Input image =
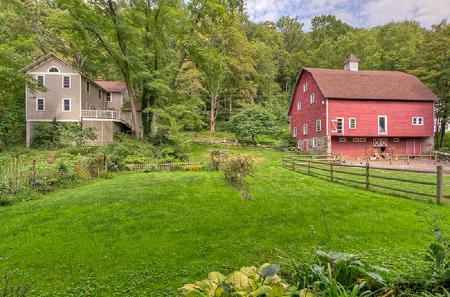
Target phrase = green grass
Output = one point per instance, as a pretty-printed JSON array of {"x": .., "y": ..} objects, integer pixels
[{"x": 146, "y": 234}]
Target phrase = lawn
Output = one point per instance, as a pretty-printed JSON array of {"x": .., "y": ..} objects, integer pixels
[{"x": 146, "y": 234}]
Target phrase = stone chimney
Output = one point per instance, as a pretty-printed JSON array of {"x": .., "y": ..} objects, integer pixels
[{"x": 351, "y": 63}]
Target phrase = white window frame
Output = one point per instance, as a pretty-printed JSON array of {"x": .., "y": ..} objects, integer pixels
[
  {"x": 110, "y": 97},
  {"x": 88, "y": 87},
  {"x": 305, "y": 129},
  {"x": 43, "y": 79},
  {"x": 312, "y": 98},
  {"x": 57, "y": 68},
  {"x": 318, "y": 125},
  {"x": 362, "y": 139},
  {"x": 314, "y": 142},
  {"x": 294, "y": 132},
  {"x": 342, "y": 139},
  {"x": 385, "y": 122},
  {"x": 415, "y": 121},
  {"x": 300, "y": 144},
  {"x": 37, "y": 104},
  {"x": 355, "y": 139},
  {"x": 335, "y": 125},
  {"x": 70, "y": 81},
  {"x": 70, "y": 105},
  {"x": 299, "y": 105},
  {"x": 350, "y": 126},
  {"x": 305, "y": 87}
]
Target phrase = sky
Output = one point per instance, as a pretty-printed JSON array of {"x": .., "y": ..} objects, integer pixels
[{"x": 357, "y": 13}]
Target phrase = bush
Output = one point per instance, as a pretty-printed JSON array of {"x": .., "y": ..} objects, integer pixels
[
  {"x": 248, "y": 281},
  {"x": 251, "y": 122},
  {"x": 218, "y": 157},
  {"x": 48, "y": 134},
  {"x": 235, "y": 168}
]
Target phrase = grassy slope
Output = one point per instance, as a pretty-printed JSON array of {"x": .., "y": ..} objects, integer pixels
[{"x": 150, "y": 233}]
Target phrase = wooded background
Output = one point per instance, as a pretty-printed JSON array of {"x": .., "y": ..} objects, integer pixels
[{"x": 194, "y": 64}]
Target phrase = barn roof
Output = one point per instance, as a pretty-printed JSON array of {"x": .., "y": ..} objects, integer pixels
[
  {"x": 373, "y": 85},
  {"x": 112, "y": 86}
]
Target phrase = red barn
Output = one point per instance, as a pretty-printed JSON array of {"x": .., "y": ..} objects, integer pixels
[{"x": 361, "y": 113}]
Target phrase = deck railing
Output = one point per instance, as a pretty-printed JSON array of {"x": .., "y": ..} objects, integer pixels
[{"x": 101, "y": 114}]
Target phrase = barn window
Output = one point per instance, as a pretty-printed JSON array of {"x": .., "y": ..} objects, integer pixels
[
  {"x": 396, "y": 140},
  {"x": 342, "y": 139},
  {"x": 362, "y": 140},
  {"x": 294, "y": 132},
  {"x": 355, "y": 139},
  {"x": 40, "y": 104},
  {"x": 338, "y": 124},
  {"x": 311, "y": 98},
  {"x": 53, "y": 69},
  {"x": 318, "y": 125},
  {"x": 314, "y": 142},
  {"x": 66, "y": 82},
  {"x": 382, "y": 125},
  {"x": 40, "y": 80},
  {"x": 352, "y": 123},
  {"x": 305, "y": 87},
  {"x": 305, "y": 129},
  {"x": 417, "y": 121},
  {"x": 66, "y": 106},
  {"x": 300, "y": 144},
  {"x": 299, "y": 105}
]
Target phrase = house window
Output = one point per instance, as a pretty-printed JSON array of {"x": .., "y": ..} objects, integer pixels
[
  {"x": 417, "y": 121},
  {"x": 99, "y": 94},
  {"x": 355, "y": 139},
  {"x": 352, "y": 123},
  {"x": 40, "y": 104},
  {"x": 66, "y": 104},
  {"x": 318, "y": 125},
  {"x": 294, "y": 132},
  {"x": 314, "y": 142},
  {"x": 338, "y": 125},
  {"x": 311, "y": 98},
  {"x": 299, "y": 105},
  {"x": 40, "y": 80},
  {"x": 382, "y": 125},
  {"x": 305, "y": 87},
  {"x": 299, "y": 144},
  {"x": 342, "y": 139},
  {"x": 53, "y": 69},
  {"x": 88, "y": 87},
  {"x": 305, "y": 129},
  {"x": 396, "y": 140},
  {"x": 362, "y": 140},
  {"x": 108, "y": 97},
  {"x": 66, "y": 82}
]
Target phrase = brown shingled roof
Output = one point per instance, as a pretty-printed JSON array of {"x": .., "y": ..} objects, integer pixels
[
  {"x": 112, "y": 86},
  {"x": 376, "y": 85}
]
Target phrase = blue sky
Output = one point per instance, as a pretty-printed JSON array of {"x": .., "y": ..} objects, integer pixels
[{"x": 358, "y": 13}]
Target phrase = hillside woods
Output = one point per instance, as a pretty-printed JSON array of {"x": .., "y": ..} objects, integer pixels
[{"x": 193, "y": 65}]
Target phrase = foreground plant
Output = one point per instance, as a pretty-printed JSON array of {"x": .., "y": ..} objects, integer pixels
[{"x": 248, "y": 281}]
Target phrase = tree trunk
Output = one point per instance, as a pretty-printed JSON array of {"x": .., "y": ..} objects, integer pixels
[
  {"x": 212, "y": 114},
  {"x": 442, "y": 135}
]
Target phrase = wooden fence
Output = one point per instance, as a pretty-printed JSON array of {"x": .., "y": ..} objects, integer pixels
[{"x": 410, "y": 182}]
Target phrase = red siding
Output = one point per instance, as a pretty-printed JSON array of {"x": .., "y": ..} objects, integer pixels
[
  {"x": 410, "y": 146},
  {"x": 366, "y": 112},
  {"x": 309, "y": 113}
]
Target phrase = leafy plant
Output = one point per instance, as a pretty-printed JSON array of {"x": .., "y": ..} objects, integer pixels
[
  {"x": 235, "y": 168},
  {"x": 248, "y": 281}
]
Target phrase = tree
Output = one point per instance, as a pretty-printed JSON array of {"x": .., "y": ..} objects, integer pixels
[{"x": 251, "y": 122}]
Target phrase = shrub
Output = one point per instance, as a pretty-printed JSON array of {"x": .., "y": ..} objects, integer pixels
[
  {"x": 235, "y": 168},
  {"x": 192, "y": 167},
  {"x": 45, "y": 134},
  {"x": 70, "y": 134},
  {"x": 218, "y": 157},
  {"x": 251, "y": 122},
  {"x": 248, "y": 281}
]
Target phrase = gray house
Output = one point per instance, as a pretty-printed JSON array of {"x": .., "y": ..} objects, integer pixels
[{"x": 70, "y": 96}]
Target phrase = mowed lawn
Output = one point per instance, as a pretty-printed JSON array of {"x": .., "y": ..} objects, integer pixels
[{"x": 146, "y": 234}]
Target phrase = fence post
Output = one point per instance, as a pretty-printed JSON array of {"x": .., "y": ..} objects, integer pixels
[
  {"x": 331, "y": 171},
  {"x": 367, "y": 175},
  {"x": 309, "y": 166},
  {"x": 439, "y": 181}
]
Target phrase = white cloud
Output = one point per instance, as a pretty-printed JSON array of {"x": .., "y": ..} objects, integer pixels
[{"x": 354, "y": 12}]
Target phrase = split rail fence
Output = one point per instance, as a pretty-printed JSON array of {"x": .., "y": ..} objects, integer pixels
[{"x": 414, "y": 183}]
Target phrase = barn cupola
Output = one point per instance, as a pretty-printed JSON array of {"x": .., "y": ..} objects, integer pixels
[{"x": 351, "y": 63}]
